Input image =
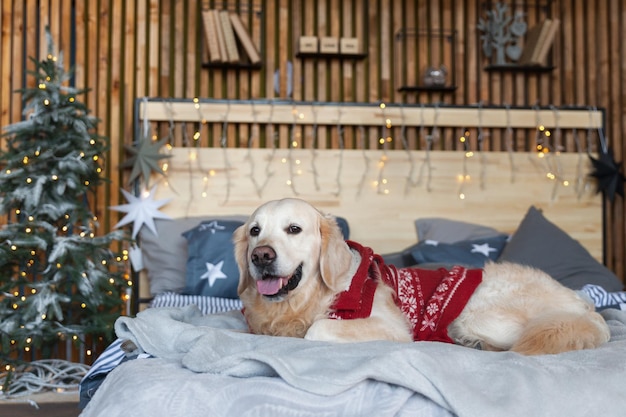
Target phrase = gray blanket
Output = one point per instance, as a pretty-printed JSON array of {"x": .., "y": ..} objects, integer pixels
[{"x": 464, "y": 381}]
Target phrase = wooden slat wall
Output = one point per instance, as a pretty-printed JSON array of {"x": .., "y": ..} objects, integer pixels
[{"x": 128, "y": 49}]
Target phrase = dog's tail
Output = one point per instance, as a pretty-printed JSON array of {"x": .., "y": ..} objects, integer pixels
[{"x": 561, "y": 332}]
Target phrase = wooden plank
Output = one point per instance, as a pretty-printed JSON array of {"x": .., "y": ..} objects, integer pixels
[
  {"x": 257, "y": 17},
  {"x": 5, "y": 70},
  {"x": 499, "y": 204},
  {"x": 372, "y": 115},
  {"x": 90, "y": 45},
  {"x": 66, "y": 10},
  {"x": 385, "y": 51},
  {"x": 152, "y": 44},
  {"x": 347, "y": 30},
  {"x": 116, "y": 119}
]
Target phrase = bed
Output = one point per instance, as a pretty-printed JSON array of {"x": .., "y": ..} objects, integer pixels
[{"x": 426, "y": 207}]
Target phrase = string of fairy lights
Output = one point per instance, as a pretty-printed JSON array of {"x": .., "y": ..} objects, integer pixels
[{"x": 471, "y": 141}]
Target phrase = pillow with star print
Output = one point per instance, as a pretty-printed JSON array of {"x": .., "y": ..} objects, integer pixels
[
  {"x": 470, "y": 253},
  {"x": 211, "y": 269}
]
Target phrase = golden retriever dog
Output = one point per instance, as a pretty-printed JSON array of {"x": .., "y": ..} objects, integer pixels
[{"x": 300, "y": 278}]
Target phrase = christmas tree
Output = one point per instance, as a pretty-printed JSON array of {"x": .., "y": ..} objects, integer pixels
[{"x": 59, "y": 280}]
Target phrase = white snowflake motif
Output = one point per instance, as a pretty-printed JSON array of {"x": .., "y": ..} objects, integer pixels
[
  {"x": 443, "y": 287},
  {"x": 405, "y": 288},
  {"x": 432, "y": 309},
  {"x": 438, "y": 297},
  {"x": 428, "y": 323},
  {"x": 448, "y": 279},
  {"x": 409, "y": 308}
]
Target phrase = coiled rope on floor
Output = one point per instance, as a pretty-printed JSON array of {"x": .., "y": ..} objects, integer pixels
[{"x": 40, "y": 376}]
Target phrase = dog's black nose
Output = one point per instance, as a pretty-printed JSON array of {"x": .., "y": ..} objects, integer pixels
[{"x": 263, "y": 256}]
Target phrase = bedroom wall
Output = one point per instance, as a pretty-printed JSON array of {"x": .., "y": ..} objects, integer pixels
[{"x": 128, "y": 49}]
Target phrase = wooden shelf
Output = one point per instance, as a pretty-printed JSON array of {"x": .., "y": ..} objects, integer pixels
[
  {"x": 428, "y": 88},
  {"x": 321, "y": 55},
  {"x": 232, "y": 65},
  {"x": 519, "y": 68}
]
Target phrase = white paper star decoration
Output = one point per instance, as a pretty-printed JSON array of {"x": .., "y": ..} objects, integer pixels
[
  {"x": 141, "y": 210},
  {"x": 213, "y": 272},
  {"x": 484, "y": 248}
]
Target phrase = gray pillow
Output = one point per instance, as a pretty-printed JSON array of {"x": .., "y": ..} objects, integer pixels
[
  {"x": 470, "y": 253},
  {"x": 165, "y": 255},
  {"x": 539, "y": 243},
  {"x": 451, "y": 231},
  {"x": 211, "y": 267}
]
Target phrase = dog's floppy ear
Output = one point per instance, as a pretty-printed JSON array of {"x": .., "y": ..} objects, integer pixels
[
  {"x": 335, "y": 255},
  {"x": 240, "y": 241}
]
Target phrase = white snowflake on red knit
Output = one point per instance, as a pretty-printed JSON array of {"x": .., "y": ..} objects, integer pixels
[
  {"x": 432, "y": 309},
  {"x": 406, "y": 293},
  {"x": 430, "y": 323}
]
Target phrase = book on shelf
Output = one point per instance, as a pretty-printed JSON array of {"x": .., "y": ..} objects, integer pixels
[
  {"x": 224, "y": 32},
  {"x": 221, "y": 42},
  {"x": 534, "y": 38},
  {"x": 544, "y": 47},
  {"x": 245, "y": 39},
  {"x": 210, "y": 35},
  {"x": 229, "y": 37}
]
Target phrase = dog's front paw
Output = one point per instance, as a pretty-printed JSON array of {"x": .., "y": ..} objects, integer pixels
[{"x": 321, "y": 330}]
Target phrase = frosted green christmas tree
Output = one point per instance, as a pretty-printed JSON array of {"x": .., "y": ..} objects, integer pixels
[{"x": 59, "y": 280}]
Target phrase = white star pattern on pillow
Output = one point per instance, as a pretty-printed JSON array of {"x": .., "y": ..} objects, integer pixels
[
  {"x": 485, "y": 249},
  {"x": 214, "y": 272},
  {"x": 212, "y": 226}
]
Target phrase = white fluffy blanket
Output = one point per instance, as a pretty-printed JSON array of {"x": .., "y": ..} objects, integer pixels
[{"x": 462, "y": 381}]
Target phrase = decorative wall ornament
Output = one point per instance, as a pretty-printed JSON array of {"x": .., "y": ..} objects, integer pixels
[
  {"x": 435, "y": 77},
  {"x": 501, "y": 34},
  {"x": 608, "y": 173}
]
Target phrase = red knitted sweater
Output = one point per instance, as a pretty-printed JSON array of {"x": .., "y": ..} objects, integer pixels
[{"x": 431, "y": 299}]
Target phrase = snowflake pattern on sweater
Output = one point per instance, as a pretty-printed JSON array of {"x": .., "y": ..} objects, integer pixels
[{"x": 430, "y": 299}]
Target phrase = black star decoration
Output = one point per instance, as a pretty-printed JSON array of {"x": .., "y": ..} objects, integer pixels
[
  {"x": 607, "y": 172},
  {"x": 145, "y": 159}
]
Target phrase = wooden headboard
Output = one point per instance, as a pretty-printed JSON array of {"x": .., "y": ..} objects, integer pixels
[{"x": 380, "y": 191}]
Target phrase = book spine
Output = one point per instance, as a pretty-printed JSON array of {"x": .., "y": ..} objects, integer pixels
[
  {"x": 210, "y": 36},
  {"x": 545, "y": 47},
  {"x": 215, "y": 14},
  {"x": 244, "y": 38},
  {"x": 229, "y": 37}
]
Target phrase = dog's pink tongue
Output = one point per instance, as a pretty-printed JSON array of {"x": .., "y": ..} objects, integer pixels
[{"x": 269, "y": 286}]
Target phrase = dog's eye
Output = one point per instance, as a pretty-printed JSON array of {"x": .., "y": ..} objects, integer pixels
[
  {"x": 293, "y": 229},
  {"x": 255, "y": 230}
]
